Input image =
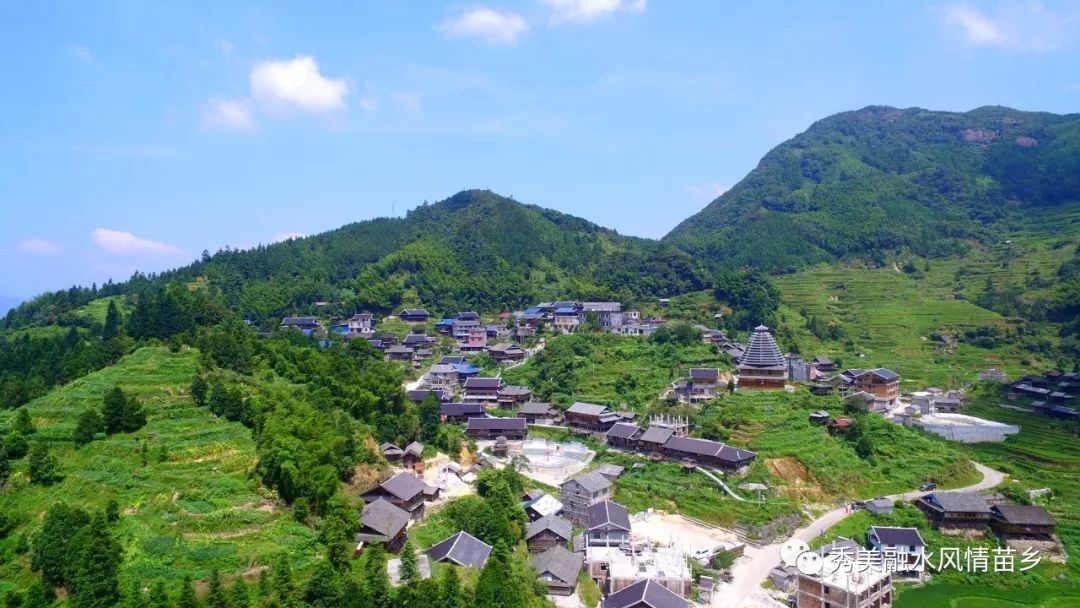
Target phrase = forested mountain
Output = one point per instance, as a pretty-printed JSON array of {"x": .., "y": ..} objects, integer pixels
[
  {"x": 473, "y": 250},
  {"x": 880, "y": 179}
]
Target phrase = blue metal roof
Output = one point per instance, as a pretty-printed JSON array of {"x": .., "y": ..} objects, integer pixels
[{"x": 566, "y": 310}]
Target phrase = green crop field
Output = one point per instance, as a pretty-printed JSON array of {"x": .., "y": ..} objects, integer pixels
[
  {"x": 197, "y": 510},
  {"x": 609, "y": 369}
]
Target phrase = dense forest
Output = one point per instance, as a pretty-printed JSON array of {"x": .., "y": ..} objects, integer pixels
[{"x": 865, "y": 183}]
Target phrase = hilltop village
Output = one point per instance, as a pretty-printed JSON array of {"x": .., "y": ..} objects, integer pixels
[{"x": 583, "y": 543}]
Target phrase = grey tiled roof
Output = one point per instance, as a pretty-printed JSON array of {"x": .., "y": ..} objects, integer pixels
[
  {"x": 656, "y": 434},
  {"x": 462, "y": 549},
  {"x": 592, "y": 481},
  {"x": 963, "y": 502},
  {"x": 560, "y": 563},
  {"x": 704, "y": 373},
  {"x": 762, "y": 350},
  {"x": 384, "y": 518},
  {"x": 587, "y": 409},
  {"x": 623, "y": 430},
  {"x": 1024, "y": 515},
  {"x": 898, "y": 536},
  {"x": 477, "y": 382},
  {"x": 497, "y": 424},
  {"x": 536, "y": 407},
  {"x": 647, "y": 593},
  {"x": 608, "y": 513},
  {"x": 404, "y": 486},
  {"x": 462, "y": 409},
  {"x": 554, "y": 523}
]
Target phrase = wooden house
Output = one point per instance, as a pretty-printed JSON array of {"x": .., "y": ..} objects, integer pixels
[
  {"x": 558, "y": 569},
  {"x": 490, "y": 428},
  {"x": 504, "y": 353},
  {"x": 645, "y": 593},
  {"x": 581, "y": 492},
  {"x": 512, "y": 396},
  {"x": 547, "y": 532},
  {"x": 710, "y": 453},
  {"x": 414, "y": 454},
  {"x": 1028, "y": 522},
  {"x": 590, "y": 417},
  {"x": 414, "y": 315},
  {"x": 955, "y": 511},
  {"x": 623, "y": 435},
  {"x": 382, "y": 522},
  {"x": 461, "y": 549},
  {"x": 404, "y": 490},
  {"x": 391, "y": 452},
  {"x": 460, "y": 412},
  {"x": 482, "y": 390},
  {"x": 539, "y": 412}
]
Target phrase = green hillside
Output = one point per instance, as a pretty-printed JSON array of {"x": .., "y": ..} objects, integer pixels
[
  {"x": 864, "y": 183},
  {"x": 191, "y": 507},
  {"x": 474, "y": 250}
]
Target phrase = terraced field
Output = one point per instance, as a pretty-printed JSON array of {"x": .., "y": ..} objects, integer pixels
[{"x": 191, "y": 507}]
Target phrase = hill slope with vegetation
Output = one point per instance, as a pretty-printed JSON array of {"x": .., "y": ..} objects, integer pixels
[{"x": 864, "y": 183}]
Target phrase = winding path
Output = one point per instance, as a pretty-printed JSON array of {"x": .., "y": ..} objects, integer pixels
[
  {"x": 748, "y": 574},
  {"x": 723, "y": 485}
]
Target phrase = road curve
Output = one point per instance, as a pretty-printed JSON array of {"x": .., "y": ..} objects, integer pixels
[{"x": 750, "y": 573}]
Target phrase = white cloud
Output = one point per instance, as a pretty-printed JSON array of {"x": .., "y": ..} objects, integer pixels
[
  {"x": 1018, "y": 25},
  {"x": 486, "y": 25},
  {"x": 82, "y": 53},
  {"x": 707, "y": 191},
  {"x": 410, "y": 102},
  {"x": 118, "y": 241},
  {"x": 296, "y": 84},
  {"x": 978, "y": 28},
  {"x": 286, "y": 236},
  {"x": 586, "y": 11},
  {"x": 369, "y": 100},
  {"x": 229, "y": 114},
  {"x": 40, "y": 247}
]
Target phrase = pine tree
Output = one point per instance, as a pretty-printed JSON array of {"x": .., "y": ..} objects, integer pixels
[
  {"x": 375, "y": 579},
  {"x": 283, "y": 583},
  {"x": 87, "y": 425},
  {"x": 199, "y": 389},
  {"x": 53, "y": 547},
  {"x": 187, "y": 594},
  {"x": 95, "y": 567},
  {"x": 112, "y": 322},
  {"x": 39, "y": 595},
  {"x": 239, "y": 594},
  {"x": 430, "y": 419},
  {"x": 409, "y": 572},
  {"x": 216, "y": 598},
  {"x": 323, "y": 589},
  {"x": 43, "y": 467},
  {"x": 5, "y": 466},
  {"x": 112, "y": 511},
  {"x": 450, "y": 589},
  {"x": 23, "y": 423},
  {"x": 159, "y": 597},
  {"x": 134, "y": 415},
  {"x": 497, "y": 586},
  {"x": 112, "y": 410}
]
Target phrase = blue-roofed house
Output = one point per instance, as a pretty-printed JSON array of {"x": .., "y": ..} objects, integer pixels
[{"x": 567, "y": 318}]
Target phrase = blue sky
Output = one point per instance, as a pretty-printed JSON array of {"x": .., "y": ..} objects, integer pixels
[{"x": 137, "y": 134}]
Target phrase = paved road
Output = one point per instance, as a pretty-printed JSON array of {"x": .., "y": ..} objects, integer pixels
[{"x": 749, "y": 573}]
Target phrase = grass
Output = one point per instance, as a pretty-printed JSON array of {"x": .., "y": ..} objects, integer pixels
[
  {"x": 197, "y": 511},
  {"x": 588, "y": 592},
  {"x": 609, "y": 369},
  {"x": 1042, "y": 455},
  {"x": 804, "y": 461},
  {"x": 890, "y": 315}
]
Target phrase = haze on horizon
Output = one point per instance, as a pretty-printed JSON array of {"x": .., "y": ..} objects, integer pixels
[{"x": 139, "y": 135}]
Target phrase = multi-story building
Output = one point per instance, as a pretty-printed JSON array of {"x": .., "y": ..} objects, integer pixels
[
  {"x": 881, "y": 383},
  {"x": 851, "y": 585},
  {"x": 762, "y": 365},
  {"x": 582, "y": 492}
]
